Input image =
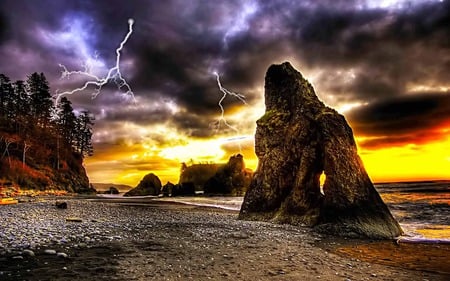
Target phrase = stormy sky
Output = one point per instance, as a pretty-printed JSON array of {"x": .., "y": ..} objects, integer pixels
[{"x": 384, "y": 64}]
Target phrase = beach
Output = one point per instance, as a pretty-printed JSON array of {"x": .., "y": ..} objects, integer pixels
[{"x": 147, "y": 239}]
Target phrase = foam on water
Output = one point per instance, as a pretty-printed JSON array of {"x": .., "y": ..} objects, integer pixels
[
  {"x": 226, "y": 203},
  {"x": 421, "y": 208}
]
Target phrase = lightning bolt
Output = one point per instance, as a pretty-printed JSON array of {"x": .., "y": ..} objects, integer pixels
[
  {"x": 239, "y": 23},
  {"x": 225, "y": 92},
  {"x": 113, "y": 74}
]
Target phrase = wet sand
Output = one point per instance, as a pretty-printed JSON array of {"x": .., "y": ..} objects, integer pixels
[
  {"x": 181, "y": 242},
  {"x": 414, "y": 256}
]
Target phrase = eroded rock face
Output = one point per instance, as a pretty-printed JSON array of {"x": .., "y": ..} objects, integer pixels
[{"x": 297, "y": 140}]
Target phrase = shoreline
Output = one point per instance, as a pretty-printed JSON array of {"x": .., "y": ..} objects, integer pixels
[
  {"x": 170, "y": 241},
  {"x": 233, "y": 203}
]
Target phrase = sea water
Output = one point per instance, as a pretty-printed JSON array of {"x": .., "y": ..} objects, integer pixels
[{"x": 421, "y": 208}]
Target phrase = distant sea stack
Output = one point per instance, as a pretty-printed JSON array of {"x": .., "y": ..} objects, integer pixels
[
  {"x": 231, "y": 179},
  {"x": 297, "y": 139},
  {"x": 149, "y": 185}
]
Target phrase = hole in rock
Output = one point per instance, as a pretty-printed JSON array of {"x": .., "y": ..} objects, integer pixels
[{"x": 322, "y": 182}]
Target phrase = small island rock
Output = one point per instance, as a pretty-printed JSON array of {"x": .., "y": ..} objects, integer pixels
[
  {"x": 230, "y": 179},
  {"x": 149, "y": 185}
]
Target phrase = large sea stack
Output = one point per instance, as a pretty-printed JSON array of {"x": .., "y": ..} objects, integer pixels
[{"x": 297, "y": 140}]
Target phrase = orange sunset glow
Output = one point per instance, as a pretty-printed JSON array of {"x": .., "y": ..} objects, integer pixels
[{"x": 429, "y": 161}]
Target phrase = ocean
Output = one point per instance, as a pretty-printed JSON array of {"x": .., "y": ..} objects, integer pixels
[{"x": 421, "y": 208}]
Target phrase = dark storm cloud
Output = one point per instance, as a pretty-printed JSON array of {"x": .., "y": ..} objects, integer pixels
[
  {"x": 386, "y": 48},
  {"x": 177, "y": 44},
  {"x": 3, "y": 28},
  {"x": 408, "y": 119},
  {"x": 195, "y": 125},
  {"x": 139, "y": 117},
  {"x": 180, "y": 60}
]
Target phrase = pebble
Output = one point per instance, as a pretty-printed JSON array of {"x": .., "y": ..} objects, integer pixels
[
  {"x": 240, "y": 235},
  {"x": 62, "y": 255},
  {"x": 17, "y": 258},
  {"x": 29, "y": 253},
  {"x": 47, "y": 227}
]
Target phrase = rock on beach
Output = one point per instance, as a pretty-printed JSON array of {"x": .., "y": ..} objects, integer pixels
[{"x": 297, "y": 139}]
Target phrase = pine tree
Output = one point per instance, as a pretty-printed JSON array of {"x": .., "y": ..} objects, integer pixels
[
  {"x": 22, "y": 107},
  {"x": 84, "y": 133},
  {"x": 38, "y": 134},
  {"x": 22, "y": 98},
  {"x": 5, "y": 95},
  {"x": 67, "y": 121},
  {"x": 41, "y": 100}
]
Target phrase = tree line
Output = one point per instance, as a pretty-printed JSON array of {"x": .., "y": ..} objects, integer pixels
[{"x": 29, "y": 115}]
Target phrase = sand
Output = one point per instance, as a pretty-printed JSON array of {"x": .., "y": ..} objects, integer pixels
[{"x": 183, "y": 242}]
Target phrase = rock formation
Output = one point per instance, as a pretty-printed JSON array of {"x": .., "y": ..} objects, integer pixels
[
  {"x": 111, "y": 190},
  {"x": 231, "y": 179},
  {"x": 149, "y": 185},
  {"x": 197, "y": 174},
  {"x": 297, "y": 140},
  {"x": 167, "y": 189},
  {"x": 183, "y": 189}
]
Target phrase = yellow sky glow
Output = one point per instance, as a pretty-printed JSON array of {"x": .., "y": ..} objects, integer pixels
[
  {"x": 406, "y": 163},
  {"x": 161, "y": 149},
  {"x": 411, "y": 162}
]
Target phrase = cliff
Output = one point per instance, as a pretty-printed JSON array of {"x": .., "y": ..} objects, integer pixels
[
  {"x": 42, "y": 144},
  {"x": 45, "y": 166}
]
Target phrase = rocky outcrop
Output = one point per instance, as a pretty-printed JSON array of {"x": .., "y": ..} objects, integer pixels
[
  {"x": 111, "y": 190},
  {"x": 297, "y": 140},
  {"x": 197, "y": 174},
  {"x": 77, "y": 177},
  {"x": 167, "y": 189},
  {"x": 183, "y": 189},
  {"x": 47, "y": 165},
  {"x": 231, "y": 179},
  {"x": 149, "y": 185}
]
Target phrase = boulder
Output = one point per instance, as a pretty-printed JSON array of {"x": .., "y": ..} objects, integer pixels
[
  {"x": 149, "y": 185},
  {"x": 61, "y": 205},
  {"x": 297, "y": 139}
]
